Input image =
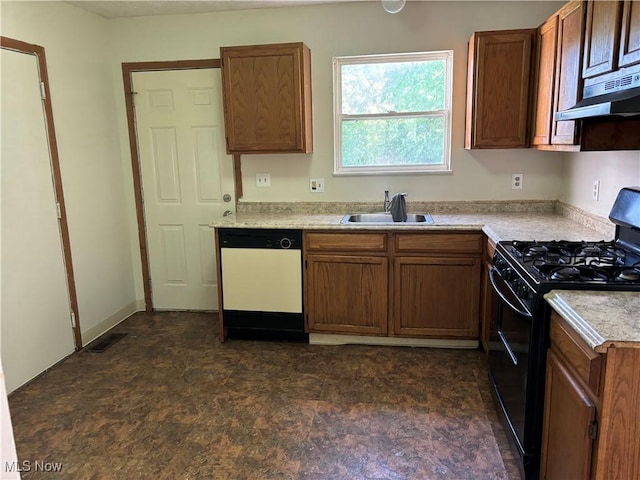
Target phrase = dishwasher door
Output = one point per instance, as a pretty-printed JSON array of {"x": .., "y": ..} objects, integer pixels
[{"x": 261, "y": 280}]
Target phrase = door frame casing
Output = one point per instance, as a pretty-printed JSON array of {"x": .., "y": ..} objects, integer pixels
[
  {"x": 19, "y": 46},
  {"x": 128, "y": 69}
]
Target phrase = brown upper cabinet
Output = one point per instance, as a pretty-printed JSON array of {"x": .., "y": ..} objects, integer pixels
[
  {"x": 559, "y": 82},
  {"x": 583, "y": 44},
  {"x": 602, "y": 37},
  {"x": 267, "y": 98},
  {"x": 544, "y": 88},
  {"x": 630, "y": 34},
  {"x": 498, "y": 86},
  {"x": 612, "y": 37}
]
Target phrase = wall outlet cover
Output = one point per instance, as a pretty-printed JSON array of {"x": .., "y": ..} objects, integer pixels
[
  {"x": 516, "y": 181},
  {"x": 595, "y": 192},
  {"x": 263, "y": 180}
]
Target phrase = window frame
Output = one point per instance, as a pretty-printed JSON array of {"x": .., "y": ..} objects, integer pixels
[{"x": 339, "y": 117}]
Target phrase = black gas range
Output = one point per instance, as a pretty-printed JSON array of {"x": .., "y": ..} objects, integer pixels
[{"x": 522, "y": 273}]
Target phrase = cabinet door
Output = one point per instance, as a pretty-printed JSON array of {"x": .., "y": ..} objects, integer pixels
[
  {"x": 347, "y": 294},
  {"x": 267, "y": 98},
  {"x": 630, "y": 34},
  {"x": 566, "y": 444},
  {"x": 546, "y": 60},
  {"x": 602, "y": 36},
  {"x": 568, "y": 80},
  {"x": 498, "y": 89},
  {"x": 437, "y": 297}
]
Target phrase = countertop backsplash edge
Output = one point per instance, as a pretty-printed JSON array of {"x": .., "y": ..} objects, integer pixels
[
  {"x": 599, "y": 224},
  {"x": 433, "y": 207}
]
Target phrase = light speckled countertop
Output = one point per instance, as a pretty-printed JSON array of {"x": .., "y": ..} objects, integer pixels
[
  {"x": 602, "y": 319},
  {"x": 498, "y": 226}
]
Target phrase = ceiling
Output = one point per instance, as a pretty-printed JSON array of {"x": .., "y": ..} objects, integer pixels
[{"x": 139, "y": 8}]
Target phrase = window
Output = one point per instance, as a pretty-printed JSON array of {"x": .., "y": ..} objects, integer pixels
[{"x": 393, "y": 113}]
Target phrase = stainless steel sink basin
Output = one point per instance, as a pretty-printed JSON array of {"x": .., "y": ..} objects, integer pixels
[{"x": 385, "y": 218}]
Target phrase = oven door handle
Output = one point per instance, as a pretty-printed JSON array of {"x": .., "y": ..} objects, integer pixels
[
  {"x": 522, "y": 313},
  {"x": 514, "y": 359}
]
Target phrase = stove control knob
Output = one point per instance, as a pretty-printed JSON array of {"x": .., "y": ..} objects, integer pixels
[
  {"x": 519, "y": 287},
  {"x": 522, "y": 291},
  {"x": 508, "y": 273}
]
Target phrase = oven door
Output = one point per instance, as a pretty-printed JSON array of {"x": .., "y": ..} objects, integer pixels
[{"x": 509, "y": 357}]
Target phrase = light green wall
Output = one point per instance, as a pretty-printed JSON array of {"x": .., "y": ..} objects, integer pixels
[
  {"x": 349, "y": 29},
  {"x": 77, "y": 47},
  {"x": 85, "y": 53},
  {"x": 614, "y": 170}
]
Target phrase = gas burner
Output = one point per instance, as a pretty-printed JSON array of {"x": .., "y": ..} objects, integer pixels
[
  {"x": 628, "y": 275},
  {"x": 534, "y": 251},
  {"x": 566, "y": 273},
  {"x": 583, "y": 273},
  {"x": 556, "y": 258}
]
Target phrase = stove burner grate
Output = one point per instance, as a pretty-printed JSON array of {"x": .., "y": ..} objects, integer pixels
[{"x": 578, "y": 273}]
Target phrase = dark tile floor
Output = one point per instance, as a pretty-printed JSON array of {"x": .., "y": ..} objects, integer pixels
[{"x": 171, "y": 402}]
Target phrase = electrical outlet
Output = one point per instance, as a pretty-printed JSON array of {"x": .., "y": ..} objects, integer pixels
[
  {"x": 316, "y": 185},
  {"x": 595, "y": 191},
  {"x": 516, "y": 181},
  {"x": 263, "y": 180}
]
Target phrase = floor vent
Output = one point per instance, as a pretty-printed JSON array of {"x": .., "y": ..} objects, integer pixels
[{"x": 104, "y": 342}]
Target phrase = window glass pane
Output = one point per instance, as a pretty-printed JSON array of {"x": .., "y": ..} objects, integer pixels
[
  {"x": 404, "y": 141},
  {"x": 393, "y": 87}
]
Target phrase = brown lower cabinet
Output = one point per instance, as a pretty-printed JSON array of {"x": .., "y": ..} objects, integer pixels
[
  {"x": 591, "y": 425},
  {"x": 571, "y": 417},
  {"x": 395, "y": 284},
  {"x": 347, "y": 294},
  {"x": 436, "y": 296}
]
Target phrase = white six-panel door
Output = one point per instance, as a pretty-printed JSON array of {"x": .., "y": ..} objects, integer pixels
[
  {"x": 36, "y": 324},
  {"x": 185, "y": 173}
]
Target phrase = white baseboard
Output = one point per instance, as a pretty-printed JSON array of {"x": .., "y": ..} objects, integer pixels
[
  {"x": 331, "y": 339},
  {"x": 94, "y": 332}
]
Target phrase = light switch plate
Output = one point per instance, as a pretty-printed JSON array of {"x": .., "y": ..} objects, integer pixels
[{"x": 316, "y": 185}]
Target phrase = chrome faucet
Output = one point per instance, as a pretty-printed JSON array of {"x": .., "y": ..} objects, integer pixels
[{"x": 387, "y": 203}]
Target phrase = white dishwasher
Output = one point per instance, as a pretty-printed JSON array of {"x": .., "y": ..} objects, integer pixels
[{"x": 261, "y": 282}]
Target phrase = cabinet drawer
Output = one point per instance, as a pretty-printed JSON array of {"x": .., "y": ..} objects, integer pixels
[
  {"x": 346, "y": 242},
  {"x": 574, "y": 350},
  {"x": 439, "y": 242}
]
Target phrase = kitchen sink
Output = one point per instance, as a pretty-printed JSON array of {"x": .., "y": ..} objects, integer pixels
[{"x": 385, "y": 218}]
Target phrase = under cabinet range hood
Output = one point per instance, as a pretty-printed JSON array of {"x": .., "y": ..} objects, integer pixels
[{"x": 612, "y": 96}]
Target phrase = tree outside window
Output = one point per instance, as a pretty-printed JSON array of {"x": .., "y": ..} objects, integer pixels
[{"x": 393, "y": 113}]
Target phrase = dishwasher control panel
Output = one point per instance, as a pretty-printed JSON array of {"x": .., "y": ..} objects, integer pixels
[{"x": 260, "y": 238}]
